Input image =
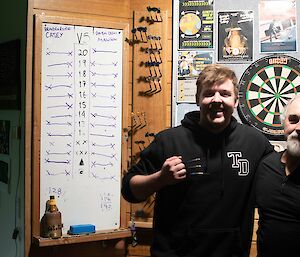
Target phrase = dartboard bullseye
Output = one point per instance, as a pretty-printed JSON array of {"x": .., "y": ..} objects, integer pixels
[{"x": 265, "y": 88}]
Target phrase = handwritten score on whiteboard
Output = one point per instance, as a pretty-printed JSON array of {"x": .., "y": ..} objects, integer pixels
[{"x": 81, "y": 115}]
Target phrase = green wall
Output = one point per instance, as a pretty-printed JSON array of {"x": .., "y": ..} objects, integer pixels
[{"x": 13, "y": 21}]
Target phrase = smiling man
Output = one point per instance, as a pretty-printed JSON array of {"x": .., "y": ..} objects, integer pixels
[
  {"x": 278, "y": 192},
  {"x": 202, "y": 173}
]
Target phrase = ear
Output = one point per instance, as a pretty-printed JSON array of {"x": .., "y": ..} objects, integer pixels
[
  {"x": 236, "y": 103},
  {"x": 197, "y": 99}
]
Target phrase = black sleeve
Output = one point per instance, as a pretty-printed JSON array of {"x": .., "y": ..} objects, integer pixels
[
  {"x": 151, "y": 160},
  {"x": 268, "y": 147}
]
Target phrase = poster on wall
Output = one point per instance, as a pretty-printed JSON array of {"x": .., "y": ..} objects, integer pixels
[
  {"x": 235, "y": 36},
  {"x": 4, "y": 136},
  {"x": 196, "y": 24},
  {"x": 5, "y": 173},
  {"x": 277, "y": 26},
  {"x": 190, "y": 64},
  {"x": 182, "y": 109},
  {"x": 4, "y": 155}
]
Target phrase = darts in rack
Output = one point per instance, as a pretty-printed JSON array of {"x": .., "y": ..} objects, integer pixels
[
  {"x": 138, "y": 121},
  {"x": 139, "y": 35},
  {"x": 147, "y": 54},
  {"x": 154, "y": 15},
  {"x": 148, "y": 78},
  {"x": 153, "y": 51}
]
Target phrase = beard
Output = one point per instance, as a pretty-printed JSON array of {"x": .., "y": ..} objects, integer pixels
[{"x": 293, "y": 144}]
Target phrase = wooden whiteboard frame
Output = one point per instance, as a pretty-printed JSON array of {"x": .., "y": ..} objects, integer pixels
[{"x": 123, "y": 231}]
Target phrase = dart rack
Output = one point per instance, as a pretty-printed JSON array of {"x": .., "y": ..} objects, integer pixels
[{"x": 149, "y": 91}]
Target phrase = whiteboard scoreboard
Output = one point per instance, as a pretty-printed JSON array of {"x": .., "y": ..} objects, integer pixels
[{"x": 81, "y": 116}]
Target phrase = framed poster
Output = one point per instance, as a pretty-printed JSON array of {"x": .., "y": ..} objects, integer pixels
[
  {"x": 5, "y": 173},
  {"x": 4, "y": 136},
  {"x": 9, "y": 148},
  {"x": 235, "y": 36},
  {"x": 190, "y": 64},
  {"x": 196, "y": 21},
  {"x": 277, "y": 26},
  {"x": 182, "y": 109},
  {"x": 10, "y": 76}
]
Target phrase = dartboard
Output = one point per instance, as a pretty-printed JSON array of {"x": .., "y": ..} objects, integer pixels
[{"x": 265, "y": 88}]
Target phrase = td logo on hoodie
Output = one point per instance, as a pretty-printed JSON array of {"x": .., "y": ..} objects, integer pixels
[{"x": 238, "y": 162}]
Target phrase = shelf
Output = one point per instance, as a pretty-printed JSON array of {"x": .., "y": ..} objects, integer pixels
[{"x": 73, "y": 239}]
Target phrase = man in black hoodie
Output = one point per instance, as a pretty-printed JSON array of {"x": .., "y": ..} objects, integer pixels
[
  {"x": 278, "y": 192},
  {"x": 202, "y": 173}
]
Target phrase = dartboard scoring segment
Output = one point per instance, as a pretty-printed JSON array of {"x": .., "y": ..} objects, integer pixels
[{"x": 265, "y": 88}]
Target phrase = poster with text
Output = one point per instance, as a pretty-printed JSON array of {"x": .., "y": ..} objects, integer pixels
[
  {"x": 182, "y": 109},
  {"x": 4, "y": 136},
  {"x": 277, "y": 26},
  {"x": 235, "y": 36},
  {"x": 196, "y": 20},
  {"x": 190, "y": 64}
]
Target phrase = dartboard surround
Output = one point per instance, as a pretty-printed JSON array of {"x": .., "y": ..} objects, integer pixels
[{"x": 265, "y": 88}]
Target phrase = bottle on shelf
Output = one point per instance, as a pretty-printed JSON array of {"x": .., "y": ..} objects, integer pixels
[{"x": 51, "y": 225}]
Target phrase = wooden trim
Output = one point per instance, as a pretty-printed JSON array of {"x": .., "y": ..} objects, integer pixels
[
  {"x": 36, "y": 129},
  {"x": 125, "y": 120},
  {"x": 94, "y": 21},
  {"x": 118, "y": 8},
  {"x": 74, "y": 239},
  {"x": 28, "y": 131},
  {"x": 144, "y": 223}
]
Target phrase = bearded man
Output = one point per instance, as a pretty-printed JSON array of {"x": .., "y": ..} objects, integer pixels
[{"x": 278, "y": 192}]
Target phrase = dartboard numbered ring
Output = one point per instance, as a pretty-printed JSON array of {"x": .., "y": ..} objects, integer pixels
[{"x": 265, "y": 88}]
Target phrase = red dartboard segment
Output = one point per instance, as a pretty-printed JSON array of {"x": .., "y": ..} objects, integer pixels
[{"x": 265, "y": 88}]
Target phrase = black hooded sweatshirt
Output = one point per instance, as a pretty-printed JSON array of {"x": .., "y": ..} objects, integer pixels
[{"x": 210, "y": 213}]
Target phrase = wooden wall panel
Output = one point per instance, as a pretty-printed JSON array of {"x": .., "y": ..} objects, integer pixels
[
  {"x": 81, "y": 15},
  {"x": 149, "y": 108},
  {"x": 157, "y": 107},
  {"x": 116, "y": 8},
  {"x": 253, "y": 250},
  {"x": 153, "y": 105},
  {"x": 169, "y": 73},
  {"x": 166, "y": 5},
  {"x": 170, "y": 24}
]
